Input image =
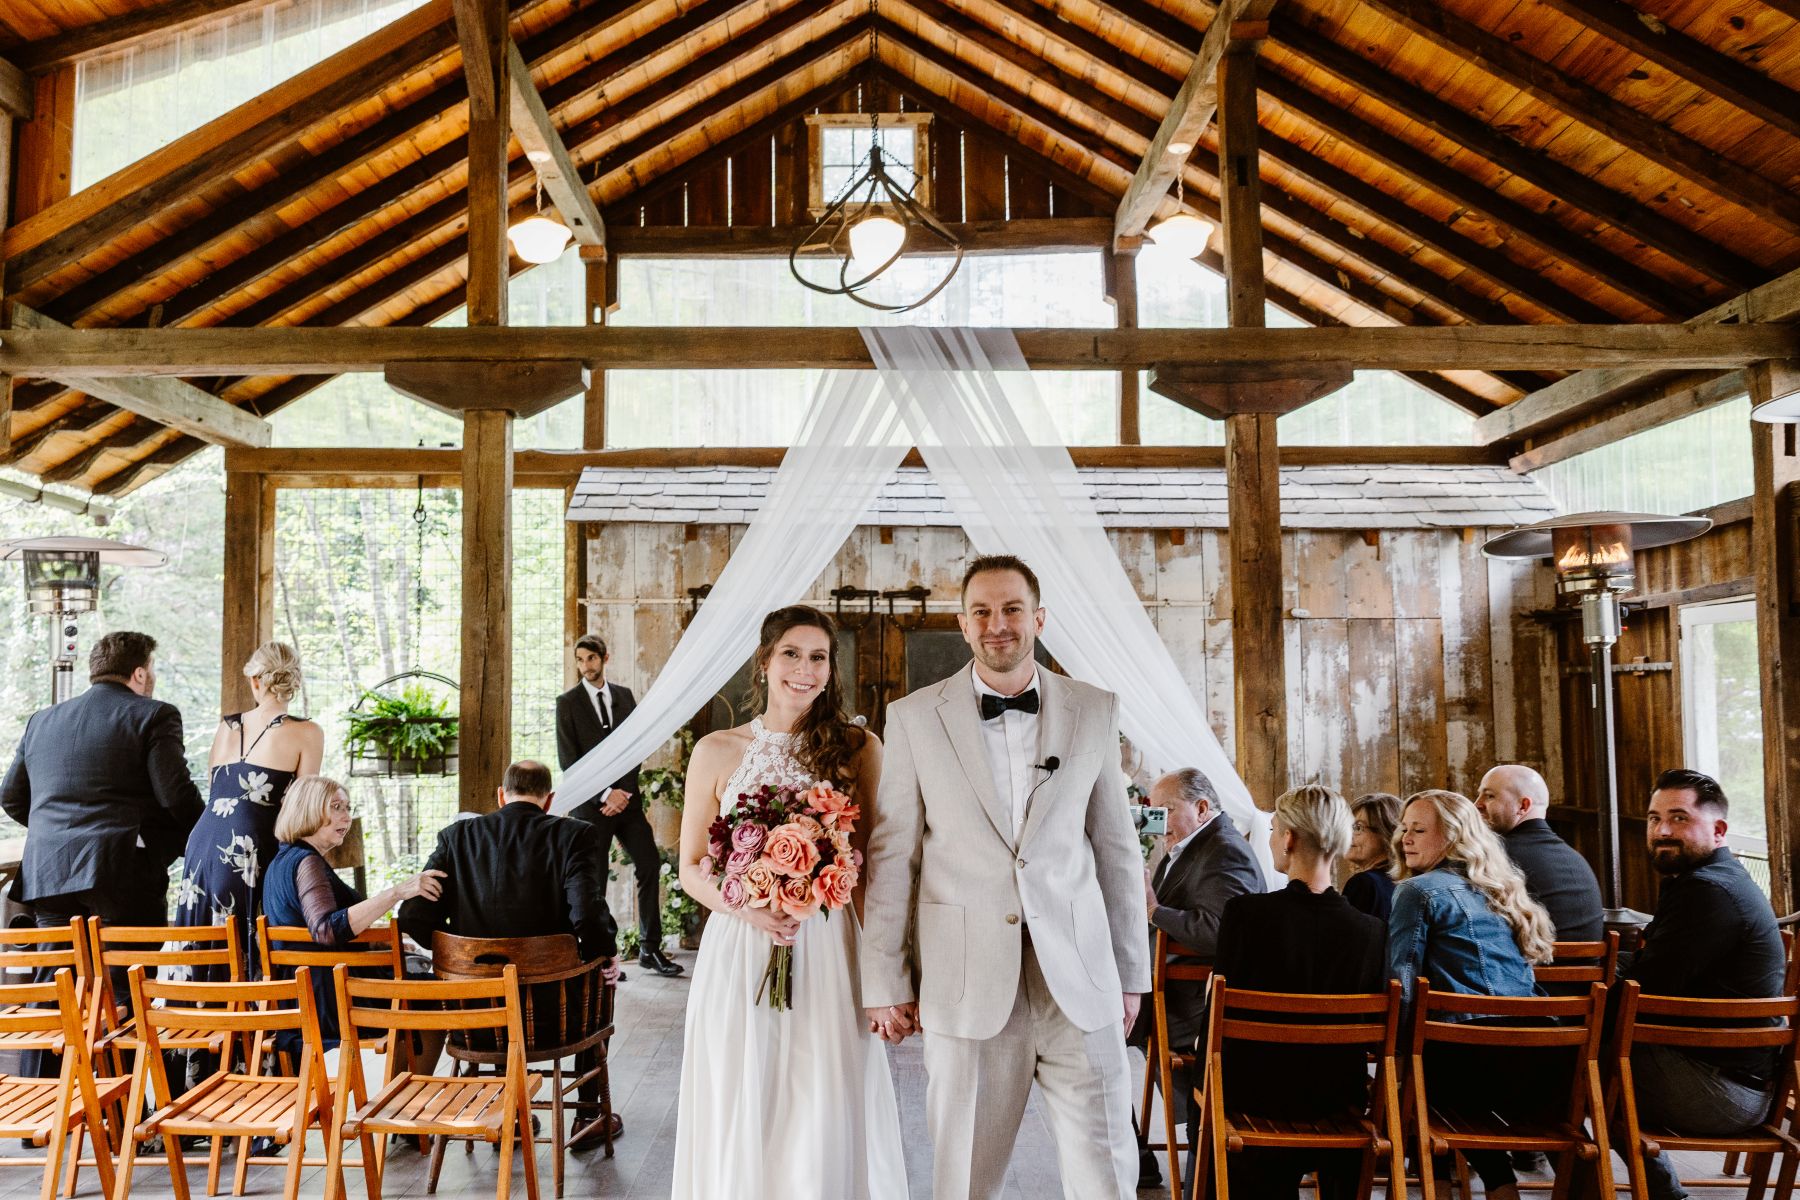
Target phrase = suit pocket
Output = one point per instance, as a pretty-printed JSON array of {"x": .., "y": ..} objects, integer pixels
[{"x": 942, "y": 951}]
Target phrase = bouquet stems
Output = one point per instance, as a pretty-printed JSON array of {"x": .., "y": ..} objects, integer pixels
[{"x": 778, "y": 979}]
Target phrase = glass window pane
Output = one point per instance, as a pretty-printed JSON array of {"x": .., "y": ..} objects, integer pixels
[{"x": 1685, "y": 465}]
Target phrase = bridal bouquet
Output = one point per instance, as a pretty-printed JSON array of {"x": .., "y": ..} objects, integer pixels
[{"x": 788, "y": 850}]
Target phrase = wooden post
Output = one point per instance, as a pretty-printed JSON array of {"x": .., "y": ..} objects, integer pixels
[
  {"x": 1120, "y": 270},
  {"x": 487, "y": 458},
  {"x": 1775, "y": 557},
  {"x": 248, "y": 612},
  {"x": 1252, "y": 464},
  {"x": 601, "y": 274}
]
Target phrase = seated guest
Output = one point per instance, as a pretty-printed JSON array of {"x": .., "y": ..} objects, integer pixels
[
  {"x": 1463, "y": 920},
  {"x": 1208, "y": 862},
  {"x": 1513, "y": 800},
  {"x": 300, "y": 888},
  {"x": 520, "y": 872},
  {"x": 1305, "y": 938},
  {"x": 1713, "y": 937},
  {"x": 1371, "y": 889}
]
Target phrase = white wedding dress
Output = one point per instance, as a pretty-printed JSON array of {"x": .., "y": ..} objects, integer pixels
[{"x": 795, "y": 1105}]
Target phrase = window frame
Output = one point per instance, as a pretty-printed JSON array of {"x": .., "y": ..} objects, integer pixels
[
  {"x": 816, "y": 199},
  {"x": 1697, "y": 714}
]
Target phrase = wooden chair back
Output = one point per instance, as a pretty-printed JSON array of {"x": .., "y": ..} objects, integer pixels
[
  {"x": 1161, "y": 1060},
  {"x": 121, "y": 947},
  {"x": 563, "y": 1000},
  {"x": 56, "y": 1113},
  {"x": 1370, "y": 1021},
  {"x": 29, "y": 949},
  {"x": 175, "y": 1011},
  {"x": 280, "y": 948},
  {"x": 1581, "y": 963},
  {"x": 44, "y": 1016}
]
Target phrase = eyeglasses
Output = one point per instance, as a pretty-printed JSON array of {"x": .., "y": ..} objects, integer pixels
[
  {"x": 340, "y": 808},
  {"x": 1359, "y": 827}
]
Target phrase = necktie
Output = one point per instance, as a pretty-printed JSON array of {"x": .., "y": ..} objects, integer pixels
[
  {"x": 605, "y": 718},
  {"x": 993, "y": 706}
]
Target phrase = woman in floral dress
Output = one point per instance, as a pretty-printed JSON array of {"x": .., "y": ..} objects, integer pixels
[{"x": 256, "y": 755}]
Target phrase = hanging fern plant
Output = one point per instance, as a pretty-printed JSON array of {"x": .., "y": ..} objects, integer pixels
[{"x": 411, "y": 732}]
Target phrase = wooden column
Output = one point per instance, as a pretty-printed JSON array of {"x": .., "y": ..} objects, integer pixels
[
  {"x": 601, "y": 275},
  {"x": 1120, "y": 271},
  {"x": 248, "y": 611},
  {"x": 1775, "y": 556},
  {"x": 1252, "y": 464}
]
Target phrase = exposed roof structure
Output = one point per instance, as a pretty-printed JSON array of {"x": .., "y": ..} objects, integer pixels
[
  {"x": 1425, "y": 163},
  {"x": 1377, "y": 497}
]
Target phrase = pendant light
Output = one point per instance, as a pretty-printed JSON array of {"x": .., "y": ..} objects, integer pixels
[
  {"x": 1184, "y": 233},
  {"x": 539, "y": 239}
]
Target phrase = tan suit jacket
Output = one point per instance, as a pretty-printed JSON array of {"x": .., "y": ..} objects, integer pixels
[{"x": 949, "y": 894}]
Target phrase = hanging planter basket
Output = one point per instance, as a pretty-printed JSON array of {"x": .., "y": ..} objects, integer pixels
[{"x": 404, "y": 731}]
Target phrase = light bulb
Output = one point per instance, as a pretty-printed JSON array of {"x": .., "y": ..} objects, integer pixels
[
  {"x": 1183, "y": 234},
  {"x": 875, "y": 240},
  {"x": 539, "y": 239}
]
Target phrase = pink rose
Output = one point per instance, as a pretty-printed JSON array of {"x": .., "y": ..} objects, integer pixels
[
  {"x": 739, "y": 861},
  {"x": 834, "y": 885},
  {"x": 760, "y": 882},
  {"x": 732, "y": 892},
  {"x": 811, "y": 828},
  {"x": 715, "y": 849},
  {"x": 748, "y": 837},
  {"x": 790, "y": 851},
  {"x": 798, "y": 899}
]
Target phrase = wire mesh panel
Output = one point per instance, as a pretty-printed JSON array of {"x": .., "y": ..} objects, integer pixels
[{"x": 368, "y": 586}]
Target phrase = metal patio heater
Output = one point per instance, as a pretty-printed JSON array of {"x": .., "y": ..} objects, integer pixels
[
  {"x": 1592, "y": 555},
  {"x": 62, "y": 581}
]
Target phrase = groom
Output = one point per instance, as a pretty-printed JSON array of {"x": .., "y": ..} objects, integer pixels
[{"x": 1001, "y": 835}]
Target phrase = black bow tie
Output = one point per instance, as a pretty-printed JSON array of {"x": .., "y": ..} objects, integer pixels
[{"x": 992, "y": 705}]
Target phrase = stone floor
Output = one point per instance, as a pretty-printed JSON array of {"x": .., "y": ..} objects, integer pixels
[{"x": 646, "y": 1067}]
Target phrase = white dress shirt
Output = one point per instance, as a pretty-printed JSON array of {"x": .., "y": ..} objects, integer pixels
[
  {"x": 1178, "y": 847},
  {"x": 1012, "y": 751},
  {"x": 602, "y": 697}
]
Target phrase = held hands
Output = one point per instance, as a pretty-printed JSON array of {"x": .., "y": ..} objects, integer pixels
[
  {"x": 780, "y": 927},
  {"x": 615, "y": 802},
  {"x": 895, "y": 1023},
  {"x": 425, "y": 883}
]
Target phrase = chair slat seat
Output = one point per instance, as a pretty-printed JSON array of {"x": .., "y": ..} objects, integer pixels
[
  {"x": 250, "y": 1105},
  {"x": 1341, "y": 1131},
  {"x": 28, "y": 1106},
  {"x": 438, "y": 1105}
]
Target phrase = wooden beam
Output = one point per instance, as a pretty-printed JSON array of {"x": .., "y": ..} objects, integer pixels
[
  {"x": 544, "y": 148},
  {"x": 1775, "y": 559},
  {"x": 109, "y": 353},
  {"x": 18, "y": 94},
  {"x": 1775, "y": 301},
  {"x": 598, "y": 278},
  {"x": 166, "y": 401},
  {"x": 1225, "y": 392},
  {"x": 6, "y": 413},
  {"x": 1714, "y": 73},
  {"x": 248, "y": 617},
  {"x": 481, "y": 29},
  {"x": 524, "y": 389},
  {"x": 116, "y": 33},
  {"x": 1185, "y": 124},
  {"x": 1589, "y": 106},
  {"x": 477, "y": 36},
  {"x": 1043, "y": 234},
  {"x": 1119, "y": 273},
  {"x": 47, "y": 241},
  {"x": 1682, "y": 396},
  {"x": 487, "y": 627}
]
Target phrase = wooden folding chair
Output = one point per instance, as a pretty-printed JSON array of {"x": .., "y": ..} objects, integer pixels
[
  {"x": 176, "y": 950},
  {"x": 1171, "y": 962},
  {"x": 492, "y": 1108},
  {"x": 1685, "y": 1023},
  {"x": 1575, "y": 965},
  {"x": 566, "y": 1008},
  {"x": 1371, "y": 1022},
  {"x": 1512, "y": 1024},
  {"x": 225, "y": 1103},
  {"x": 47, "y": 1112}
]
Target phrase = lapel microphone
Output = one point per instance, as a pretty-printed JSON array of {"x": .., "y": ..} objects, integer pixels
[{"x": 1049, "y": 764}]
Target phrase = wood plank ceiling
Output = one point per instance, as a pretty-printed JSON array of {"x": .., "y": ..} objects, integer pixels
[{"x": 1424, "y": 162}]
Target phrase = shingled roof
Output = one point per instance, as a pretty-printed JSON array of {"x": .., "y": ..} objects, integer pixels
[
  {"x": 1424, "y": 163},
  {"x": 1387, "y": 497}
]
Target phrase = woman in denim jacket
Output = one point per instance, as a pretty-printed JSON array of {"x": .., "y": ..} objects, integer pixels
[{"x": 1463, "y": 920}]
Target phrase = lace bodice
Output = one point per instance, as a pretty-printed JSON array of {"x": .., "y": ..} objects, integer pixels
[{"x": 767, "y": 760}]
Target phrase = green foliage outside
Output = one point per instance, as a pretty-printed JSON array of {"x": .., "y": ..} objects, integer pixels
[{"x": 412, "y": 726}]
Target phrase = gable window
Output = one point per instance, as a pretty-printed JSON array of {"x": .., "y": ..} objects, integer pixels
[{"x": 838, "y": 150}]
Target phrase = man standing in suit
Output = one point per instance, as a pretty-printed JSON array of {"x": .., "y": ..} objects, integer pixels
[
  {"x": 520, "y": 872},
  {"x": 1001, "y": 836},
  {"x": 585, "y": 715},
  {"x": 101, "y": 784}
]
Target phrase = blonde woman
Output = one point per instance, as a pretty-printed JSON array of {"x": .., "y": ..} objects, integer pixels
[
  {"x": 1463, "y": 920},
  {"x": 256, "y": 756}
]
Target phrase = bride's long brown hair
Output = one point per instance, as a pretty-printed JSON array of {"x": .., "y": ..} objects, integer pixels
[{"x": 826, "y": 743}]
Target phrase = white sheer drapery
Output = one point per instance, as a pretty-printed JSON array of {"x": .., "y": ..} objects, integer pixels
[{"x": 968, "y": 402}]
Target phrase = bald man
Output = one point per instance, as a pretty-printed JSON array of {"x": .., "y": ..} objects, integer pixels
[{"x": 1513, "y": 800}]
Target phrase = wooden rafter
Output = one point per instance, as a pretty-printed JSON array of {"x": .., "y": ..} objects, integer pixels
[
  {"x": 116, "y": 33},
  {"x": 1189, "y": 114},
  {"x": 17, "y": 96},
  {"x": 112, "y": 353},
  {"x": 1628, "y": 127},
  {"x": 1717, "y": 74},
  {"x": 544, "y": 148}
]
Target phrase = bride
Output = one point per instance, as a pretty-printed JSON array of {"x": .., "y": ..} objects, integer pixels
[{"x": 796, "y": 1104}]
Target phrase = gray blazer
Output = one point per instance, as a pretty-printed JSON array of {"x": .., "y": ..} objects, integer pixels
[
  {"x": 949, "y": 894},
  {"x": 1216, "y": 867}
]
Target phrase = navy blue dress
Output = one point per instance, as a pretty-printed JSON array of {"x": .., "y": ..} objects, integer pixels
[
  {"x": 1371, "y": 891},
  {"x": 233, "y": 842},
  {"x": 300, "y": 888}
]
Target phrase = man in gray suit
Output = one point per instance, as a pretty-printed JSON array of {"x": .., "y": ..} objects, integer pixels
[{"x": 1001, "y": 835}]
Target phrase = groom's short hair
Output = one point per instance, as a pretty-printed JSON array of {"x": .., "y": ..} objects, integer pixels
[{"x": 1002, "y": 562}]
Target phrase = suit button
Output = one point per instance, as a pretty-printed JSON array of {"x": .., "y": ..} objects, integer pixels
[
  {"x": 1012, "y": 918},
  {"x": 1021, "y": 862}
]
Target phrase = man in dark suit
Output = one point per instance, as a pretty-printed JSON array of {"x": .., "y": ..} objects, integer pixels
[
  {"x": 585, "y": 715},
  {"x": 101, "y": 784},
  {"x": 1208, "y": 863},
  {"x": 1513, "y": 800},
  {"x": 520, "y": 872}
]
